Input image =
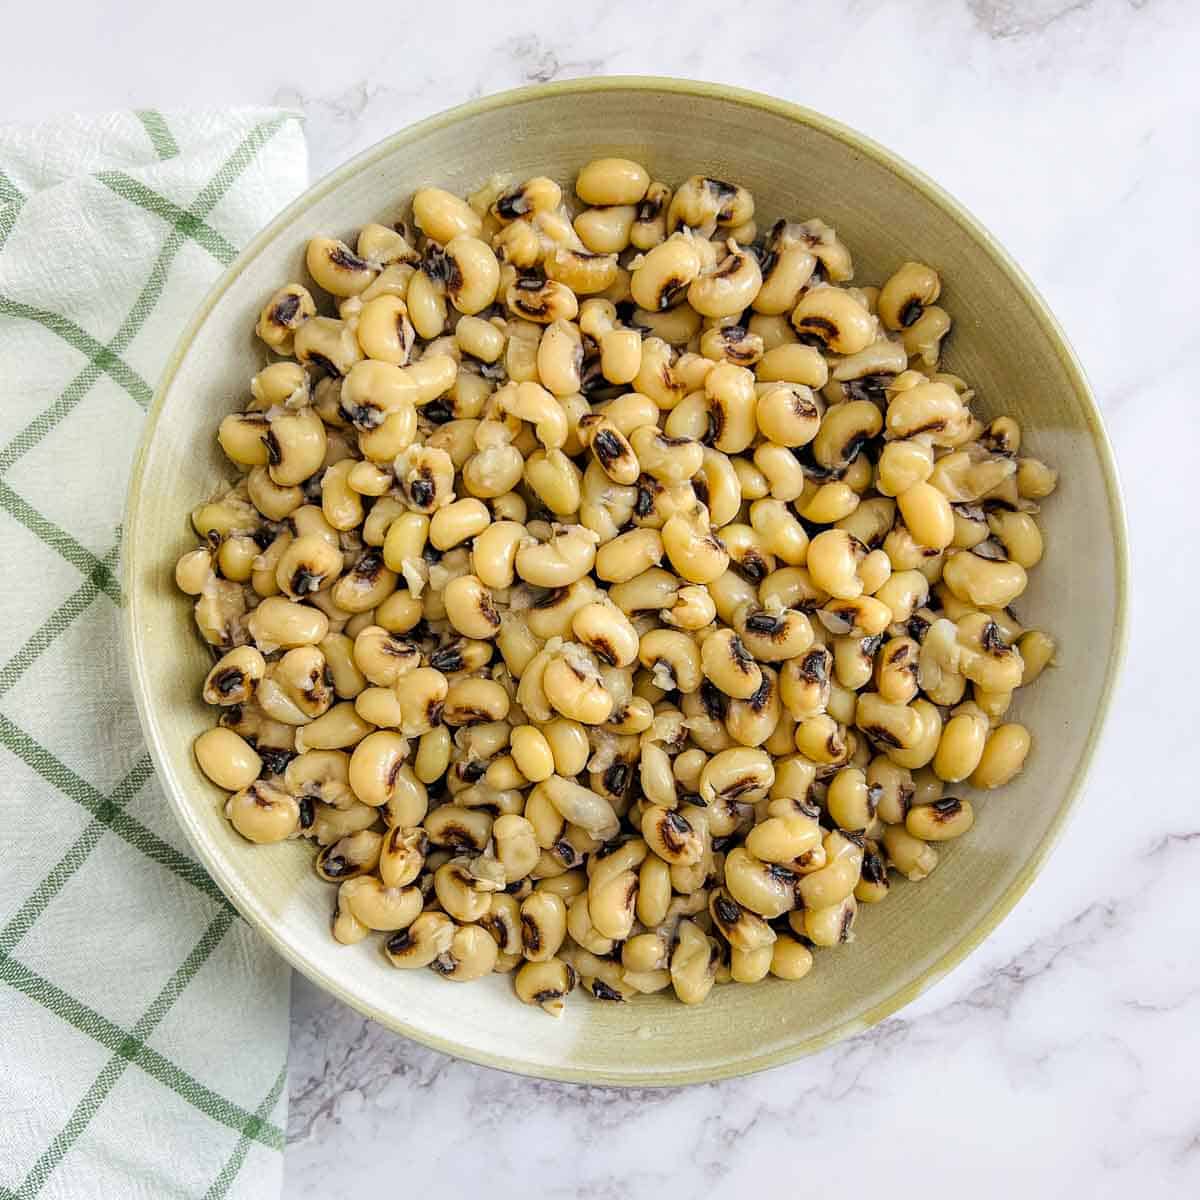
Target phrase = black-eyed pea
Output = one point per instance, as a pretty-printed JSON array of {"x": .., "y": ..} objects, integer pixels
[
  {"x": 402, "y": 856},
  {"x": 830, "y": 926},
  {"x": 384, "y": 331},
  {"x": 546, "y": 983},
  {"x": 384, "y": 658},
  {"x": 1037, "y": 650},
  {"x": 941, "y": 821},
  {"x": 983, "y": 582},
  {"x": 441, "y": 215},
  {"x": 1035, "y": 480},
  {"x": 278, "y": 624},
  {"x": 470, "y": 608},
  {"x": 822, "y": 738},
  {"x": 927, "y": 514},
  {"x": 543, "y": 925},
  {"x": 1020, "y": 536},
  {"x": 424, "y": 942},
  {"x": 234, "y": 677},
  {"x": 851, "y": 800},
  {"x": 471, "y": 701},
  {"x": 379, "y": 706},
  {"x": 1003, "y": 756},
  {"x": 729, "y": 287},
  {"x": 227, "y": 759},
  {"x": 375, "y": 766},
  {"x": 834, "y": 319},
  {"x": 328, "y": 345},
  {"x": 693, "y": 963},
  {"x": 674, "y": 659},
  {"x": 380, "y": 906},
  {"x": 472, "y": 955},
  {"x": 336, "y": 268},
  {"x": 260, "y": 812},
  {"x": 494, "y": 552},
  {"x": 903, "y": 464},
  {"x": 607, "y": 632},
  {"x": 790, "y": 959},
  {"x": 861, "y": 617},
  {"x": 695, "y": 551},
  {"x": 844, "y": 430},
  {"x": 752, "y": 721},
  {"x": 460, "y": 829},
  {"x": 287, "y": 309},
  {"x": 907, "y": 293},
  {"x": 671, "y": 836},
  {"x": 351, "y": 856},
  {"x": 566, "y": 557},
  {"x": 827, "y": 503},
  {"x": 464, "y": 895},
  {"x": 728, "y": 664},
  {"x": 833, "y": 560},
  {"x": 913, "y": 857},
  {"x": 458, "y": 522},
  {"x": 804, "y": 688},
  {"x": 606, "y": 181}
]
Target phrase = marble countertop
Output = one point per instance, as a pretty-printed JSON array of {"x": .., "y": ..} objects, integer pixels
[{"x": 1063, "y": 1053}]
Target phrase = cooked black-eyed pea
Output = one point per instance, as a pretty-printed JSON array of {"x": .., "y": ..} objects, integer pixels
[
  {"x": 779, "y": 532},
  {"x": 693, "y": 963},
  {"x": 307, "y": 565},
  {"x": 701, "y": 199},
  {"x": 295, "y": 443},
  {"x": 895, "y": 789},
  {"x": 494, "y": 552},
  {"x": 895, "y": 670},
  {"x": 913, "y": 857},
  {"x": 665, "y": 273},
  {"x": 1020, "y": 536},
  {"x": 692, "y": 609},
  {"x": 729, "y": 287},
  {"x": 547, "y": 983},
  {"x": 585, "y": 273},
  {"x": 922, "y": 340},
  {"x": 605, "y": 181},
  {"x": 441, "y": 215},
  {"x": 822, "y": 738},
  {"x": 328, "y": 345},
  {"x": 566, "y": 557},
  {"x": 732, "y": 344},
  {"x": 1037, "y": 651},
  {"x": 280, "y": 624},
  {"x": 1004, "y": 755},
  {"x": 941, "y": 821},
  {"x": 647, "y": 592},
  {"x": 834, "y": 319},
  {"x": 366, "y": 585},
  {"x": 234, "y": 676},
  {"x": 402, "y": 856},
  {"x": 767, "y": 889},
  {"x": 844, "y": 431},
  {"x": 516, "y": 845},
  {"x": 283, "y": 314},
  {"x": 833, "y": 560},
  {"x": 472, "y": 701},
  {"x": 903, "y": 464},
  {"x": 380, "y": 906},
  {"x": 458, "y": 522},
  {"x": 605, "y": 229},
  {"x": 1035, "y": 480},
  {"x": 607, "y": 632},
  {"x": 804, "y": 686},
  {"x": 982, "y": 582},
  {"x": 851, "y": 800},
  {"x": 472, "y": 955},
  {"x": 473, "y": 274},
  {"x": 853, "y": 661},
  {"x": 541, "y": 301},
  {"x": 862, "y": 617},
  {"x": 671, "y": 836},
  {"x": 386, "y": 245},
  {"x": 340, "y": 727},
  {"x": 543, "y": 925},
  {"x": 296, "y": 689},
  {"x": 653, "y": 893},
  {"x": 610, "y": 448},
  {"x": 330, "y": 824},
  {"x": 261, "y": 812},
  {"x": 503, "y": 921},
  {"x": 904, "y": 297},
  {"x": 650, "y": 226},
  {"x": 732, "y": 408},
  {"x": 927, "y": 514},
  {"x": 830, "y": 926},
  {"x": 925, "y": 408},
  {"x": 695, "y": 551},
  {"x": 752, "y": 721},
  {"x": 350, "y": 857},
  {"x": 729, "y": 665},
  {"x": 375, "y": 767},
  {"x": 384, "y": 331},
  {"x": 673, "y": 658},
  {"x": 740, "y": 774},
  {"x": 425, "y": 941},
  {"x": 457, "y": 828},
  {"x": 580, "y": 806},
  {"x": 834, "y": 882},
  {"x": 470, "y": 608},
  {"x": 744, "y": 930},
  {"x": 346, "y": 928},
  {"x": 464, "y": 896},
  {"x": 237, "y": 556},
  {"x": 245, "y": 438},
  {"x": 227, "y": 759},
  {"x": 826, "y": 503},
  {"x": 336, "y": 268},
  {"x": 572, "y": 685},
  {"x": 784, "y": 839},
  {"x": 274, "y": 502}
]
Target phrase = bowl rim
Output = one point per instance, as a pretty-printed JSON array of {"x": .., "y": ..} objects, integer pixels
[{"x": 952, "y": 210}]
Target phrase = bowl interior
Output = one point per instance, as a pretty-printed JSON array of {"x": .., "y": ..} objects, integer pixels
[{"x": 798, "y": 165}]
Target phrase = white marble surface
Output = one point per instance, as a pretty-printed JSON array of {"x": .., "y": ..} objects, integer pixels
[{"x": 1063, "y": 1054}]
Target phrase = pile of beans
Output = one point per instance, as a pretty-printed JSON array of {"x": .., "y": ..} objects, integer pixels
[{"x": 610, "y": 590}]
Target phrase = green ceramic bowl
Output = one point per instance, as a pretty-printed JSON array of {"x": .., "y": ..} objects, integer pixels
[{"x": 1005, "y": 342}]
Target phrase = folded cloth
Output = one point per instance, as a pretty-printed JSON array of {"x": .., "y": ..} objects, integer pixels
[{"x": 143, "y": 1026}]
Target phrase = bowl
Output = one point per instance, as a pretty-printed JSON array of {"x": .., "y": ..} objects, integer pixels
[{"x": 1005, "y": 342}]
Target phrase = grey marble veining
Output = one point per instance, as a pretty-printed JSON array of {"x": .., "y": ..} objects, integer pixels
[{"x": 1062, "y": 1056}]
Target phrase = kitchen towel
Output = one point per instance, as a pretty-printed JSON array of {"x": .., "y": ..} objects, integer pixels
[{"x": 143, "y": 1025}]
